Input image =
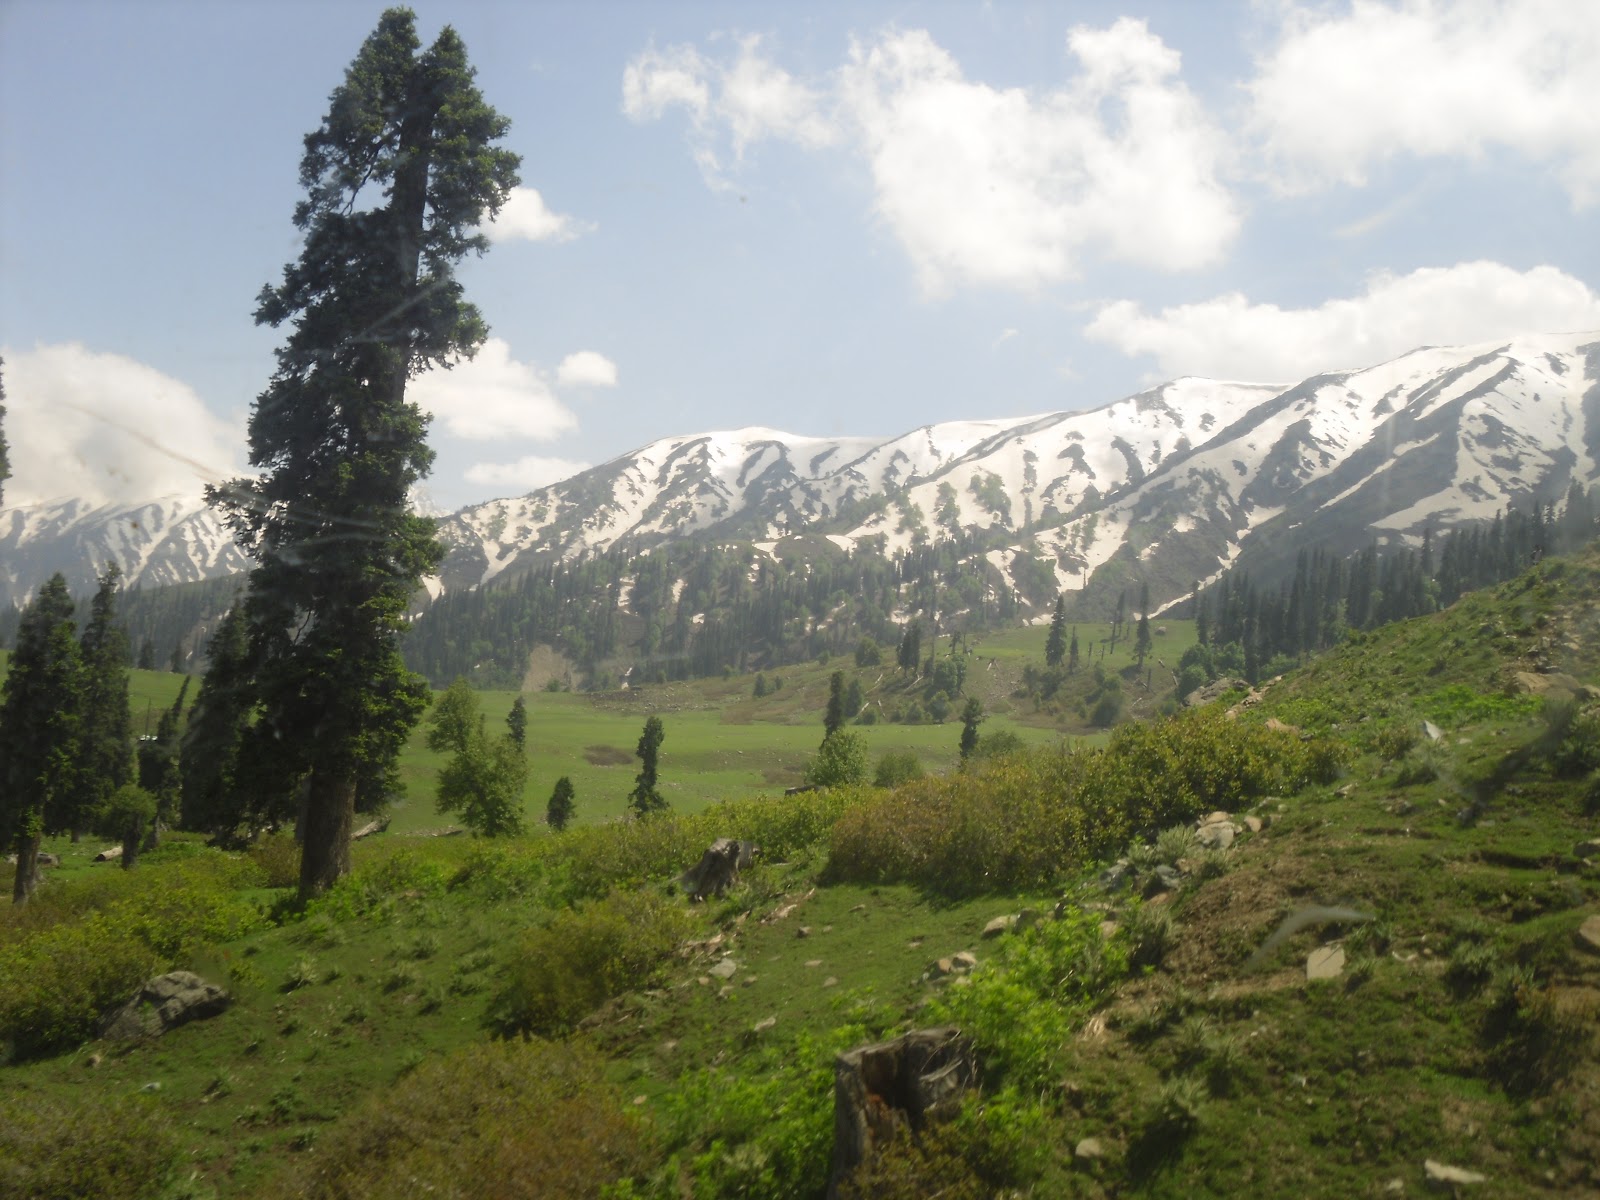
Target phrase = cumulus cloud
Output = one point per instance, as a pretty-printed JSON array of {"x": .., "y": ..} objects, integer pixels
[
  {"x": 104, "y": 428},
  {"x": 493, "y": 396},
  {"x": 983, "y": 185},
  {"x": 586, "y": 368},
  {"x": 532, "y": 471},
  {"x": 1228, "y": 337},
  {"x": 731, "y": 105},
  {"x": 1342, "y": 91},
  {"x": 525, "y": 215}
]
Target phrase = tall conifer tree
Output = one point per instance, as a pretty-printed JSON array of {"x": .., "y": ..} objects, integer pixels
[
  {"x": 40, "y": 718},
  {"x": 105, "y": 752},
  {"x": 400, "y": 178},
  {"x": 1055, "y": 646}
]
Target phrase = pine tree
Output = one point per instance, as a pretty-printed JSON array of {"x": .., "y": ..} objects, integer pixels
[
  {"x": 147, "y": 655},
  {"x": 563, "y": 803},
  {"x": 1072, "y": 652},
  {"x": 517, "y": 723},
  {"x": 645, "y": 797},
  {"x": 159, "y": 772},
  {"x": 833, "y": 718},
  {"x": 105, "y": 741},
  {"x": 400, "y": 179},
  {"x": 1142, "y": 643},
  {"x": 40, "y": 719},
  {"x": 971, "y": 716},
  {"x": 1055, "y": 646}
]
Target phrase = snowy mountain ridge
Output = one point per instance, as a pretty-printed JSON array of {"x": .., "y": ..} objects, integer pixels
[{"x": 1170, "y": 485}]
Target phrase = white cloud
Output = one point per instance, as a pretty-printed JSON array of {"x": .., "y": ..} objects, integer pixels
[
  {"x": 983, "y": 185},
  {"x": 1228, "y": 337},
  {"x": 524, "y": 215},
  {"x": 493, "y": 396},
  {"x": 1342, "y": 91},
  {"x": 532, "y": 471},
  {"x": 740, "y": 102},
  {"x": 586, "y": 368},
  {"x": 103, "y": 428}
]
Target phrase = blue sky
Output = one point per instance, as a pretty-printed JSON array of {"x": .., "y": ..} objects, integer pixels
[{"x": 822, "y": 218}]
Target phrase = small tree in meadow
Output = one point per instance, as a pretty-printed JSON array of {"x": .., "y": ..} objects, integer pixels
[
  {"x": 841, "y": 760},
  {"x": 646, "y": 798},
  {"x": 971, "y": 717},
  {"x": 483, "y": 783},
  {"x": 563, "y": 803},
  {"x": 517, "y": 723}
]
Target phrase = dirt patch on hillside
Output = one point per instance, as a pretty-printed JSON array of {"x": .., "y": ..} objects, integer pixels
[
  {"x": 606, "y": 756},
  {"x": 546, "y": 663}
]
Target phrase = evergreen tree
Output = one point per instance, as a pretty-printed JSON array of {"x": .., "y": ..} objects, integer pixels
[
  {"x": 400, "y": 179},
  {"x": 105, "y": 741},
  {"x": 1142, "y": 643},
  {"x": 159, "y": 773},
  {"x": 761, "y": 686},
  {"x": 147, "y": 655},
  {"x": 127, "y": 814},
  {"x": 40, "y": 707},
  {"x": 971, "y": 716},
  {"x": 833, "y": 718},
  {"x": 517, "y": 722},
  {"x": 1055, "y": 646},
  {"x": 645, "y": 797},
  {"x": 909, "y": 656},
  {"x": 854, "y": 698},
  {"x": 563, "y": 803},
  {"x": 1072, "y": 652}
]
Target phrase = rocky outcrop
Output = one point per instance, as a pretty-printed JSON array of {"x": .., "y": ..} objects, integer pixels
[
  {"x": 885, "y": 1090},
  {"x": 164, "y": 1003}
]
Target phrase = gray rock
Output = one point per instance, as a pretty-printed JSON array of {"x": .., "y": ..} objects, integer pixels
[
  {"x": 1443, "y": 1175},
  {"x": 763, "y": 1025},
  {"x": 1325, "y": 962},
  {"x": 1088, "y": 1150},
  {"x": 1163, "y": 879},
  {"x": 1585, "y": 849},
  {"x": 1216, "y": 834},
  {"x": 164, "y": 1003},
  {"x": 1432, "y": 732},
  {"x": 726, "y": 969},
  {"x": 1116, "y": 875},
  {"x": 964, "y": 961},
  {"x": 1589, "y": 934},
  {"x": 1254, "y": 824},
  {"x": 1000, "y": 925}
]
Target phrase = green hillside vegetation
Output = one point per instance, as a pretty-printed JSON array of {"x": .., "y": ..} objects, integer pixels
[{"x": 539, "y": 1015}]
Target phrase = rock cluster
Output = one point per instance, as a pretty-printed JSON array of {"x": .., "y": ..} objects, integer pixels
[{"x": 164, "y": 1003}]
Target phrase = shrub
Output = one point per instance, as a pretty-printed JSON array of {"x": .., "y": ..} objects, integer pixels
[
  {"x": 111, "y": 1150},
  {"x": 840, "y": 761},
  {"x": 603, "y": 949},
  {"x": 510, "y": 1119},
  {"x": 56, "y": 981},
  {"x": 278, "y": 856},
  {"x": 1151, "y": 933},
  {"x": 1178, "y": 841},
  {"x": 897, "y": 767}
]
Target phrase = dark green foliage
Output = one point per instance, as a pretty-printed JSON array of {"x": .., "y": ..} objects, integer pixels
[
  {"x": 646, "y": 798},
  {"x": 40, "y": 727},
  {"x": 483, "y": 784},
  {"x": 517, "y": 722},
  {"x": 868, "y": 653},
  {"x": 127, "y": 815},
  {"x": 909, "y": 656},
  {"x": 400, "y": 179},
  {"x": 971, "y": 717},
  {"x": 760, "y": 689},
  {"x": 605, "y": 947},
  {"x": 454, "y": 719},
  {"x": 854, "y": 698},
  {"x": 158, "y": 761},
  {"x": 833, "y": 718},
  {"x": 1055, "y": 646},
  {"x": 897, "y": 767},
  {"x": 1072, "y": 652},
  {"x": 105, "y": 745},
  {"x": 840, "y": 761},
  {"x": 123, "y": 1149},
  {"x": 563, "y": 803}
]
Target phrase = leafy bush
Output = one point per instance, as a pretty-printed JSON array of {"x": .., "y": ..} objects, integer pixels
[
  {"x": 111, "y": 1150},
  {"x": 1151, "y": 933},
  {"x": 562, "y": 971},
  {"x": 56, "y": 981},
  {"x": 840, "y": 761},
  {"x": 510, "y": 1119},
  {"x": 897, "y": 767},
  {"x": 278, "y": 856}
]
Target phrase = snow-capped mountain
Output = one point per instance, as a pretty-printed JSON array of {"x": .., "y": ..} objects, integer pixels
[
  {"x": 176, "y": 539},
  {"x": 1169, "y": 486}
]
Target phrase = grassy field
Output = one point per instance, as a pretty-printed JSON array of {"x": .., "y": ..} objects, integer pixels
[{"x": 1169, "y": 1023}]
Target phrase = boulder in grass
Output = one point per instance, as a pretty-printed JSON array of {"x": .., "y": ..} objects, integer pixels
[{"x": 164, "y": 1003}]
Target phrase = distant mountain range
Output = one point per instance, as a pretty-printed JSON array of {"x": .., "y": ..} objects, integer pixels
[{"x": 1169, "y": 486}]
